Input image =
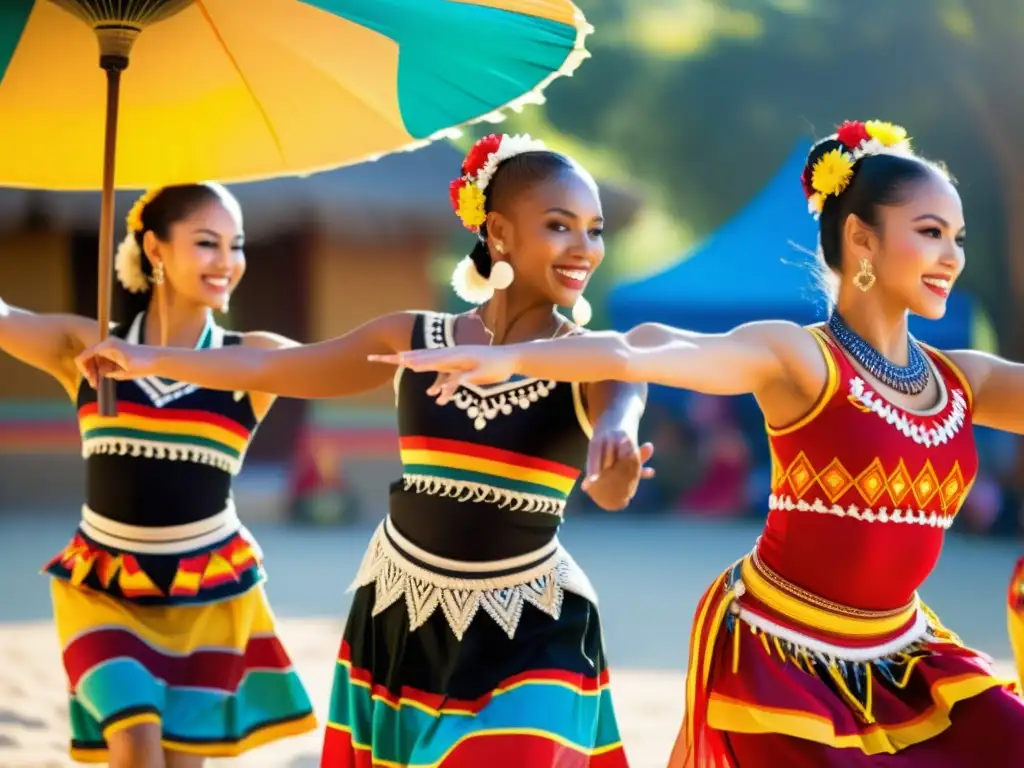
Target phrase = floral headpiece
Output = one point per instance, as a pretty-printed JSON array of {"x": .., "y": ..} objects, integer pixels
[
  {"x": 134, "y": 218},
  {"x": 832, "y": 173},
  {"x": 128, "y": 260},
  {"x": 469, "y": 192}
]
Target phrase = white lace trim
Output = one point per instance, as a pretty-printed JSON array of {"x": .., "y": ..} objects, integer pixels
[
  {"x": 503, "y": 598},
  {"x": 907, "y": 424},
  {"x": 464, "y": 490},
  {"x": 483, "y": 404},
  {"x": 482, "y": 409},
  {"x": 155, "y": 449},
  {"x": 867, "y": 514}
]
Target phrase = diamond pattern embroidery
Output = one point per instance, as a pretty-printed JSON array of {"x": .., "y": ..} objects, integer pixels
[
  {"x": 951, "y": 488},
  {"x": 926, "y": 485},
  {"x": 777, "y": 474},
  {"x": 835, "y": 480},
  {"x": 871, "y": 482},
  {"x": 800, "y": 474},
  {"x": 899, "y": 483}
]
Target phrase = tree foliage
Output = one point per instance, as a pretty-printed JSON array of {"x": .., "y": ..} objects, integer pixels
[{"x": 709, "y": 113}]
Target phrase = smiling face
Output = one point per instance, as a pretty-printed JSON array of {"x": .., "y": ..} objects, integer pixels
[
  {"x": 552, "y": 234},
  {"x": 917, "y": 250},
  {"x": 203, "y": 256}
]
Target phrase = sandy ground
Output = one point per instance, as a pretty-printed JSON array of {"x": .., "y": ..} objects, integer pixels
[{"x": 648, "y": 572}]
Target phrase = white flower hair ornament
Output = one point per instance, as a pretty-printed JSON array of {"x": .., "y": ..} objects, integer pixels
[
  {"x": 469, "y": 196},
  {"x": 128, "y": 259}
]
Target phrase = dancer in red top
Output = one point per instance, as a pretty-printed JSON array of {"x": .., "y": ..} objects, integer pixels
[{"x": 814, "y": 649}]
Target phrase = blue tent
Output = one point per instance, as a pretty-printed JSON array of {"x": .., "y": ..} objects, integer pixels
[{"x": 753, "y": 268}]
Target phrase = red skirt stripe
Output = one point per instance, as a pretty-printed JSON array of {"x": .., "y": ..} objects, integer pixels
[{"x": 220, "y": 669}]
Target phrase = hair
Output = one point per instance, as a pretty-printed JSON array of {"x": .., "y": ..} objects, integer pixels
[
  {"x": 878, "y": 180},
  {"x": 512, "y": 176},
  {"x": 166, "y": 208}
]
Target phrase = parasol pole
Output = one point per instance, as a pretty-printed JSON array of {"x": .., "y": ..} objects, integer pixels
[
  {"x": 113, "y": 64},
  {"x": 117, "y": 27}
]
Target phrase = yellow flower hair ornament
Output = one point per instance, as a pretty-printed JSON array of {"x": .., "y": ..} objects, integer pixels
[
  {"x": 832, "y": 173},
  {"x": 468, "y": 195},
  {"x": 128, "y": 259}
]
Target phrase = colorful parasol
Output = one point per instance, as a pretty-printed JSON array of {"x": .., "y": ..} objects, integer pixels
[{"x": 239, "y": 90}]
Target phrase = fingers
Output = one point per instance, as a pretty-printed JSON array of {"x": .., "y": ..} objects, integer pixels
[
  {"x": 602, "y": 456},
  {"x": 435, "y": 389},
  {"x": 450, "y": 386},
  {"x": 395, "y": 359},
  {"x": 646, "y": 452},
  {"x": 94, "y": 368}
]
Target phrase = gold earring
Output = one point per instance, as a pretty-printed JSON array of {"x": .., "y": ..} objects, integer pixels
[
  {"x": 865, "y": 278},
  {"x": 499, "y": 246},
  {"x": 158, "y": 273}
]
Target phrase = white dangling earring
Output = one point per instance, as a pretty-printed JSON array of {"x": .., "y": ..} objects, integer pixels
[
  {"x": 502, "y": 274},
  {"x": 582, "y": 312}
]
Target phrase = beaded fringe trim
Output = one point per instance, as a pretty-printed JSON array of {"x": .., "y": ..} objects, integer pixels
[
  {"x": 462, "y": 490},
  {"x": 460, "y": 598},
  {"x": 153, "y": 449},
  {"x": 908, "y": 424},
  {"x": 865, "y": 514}
]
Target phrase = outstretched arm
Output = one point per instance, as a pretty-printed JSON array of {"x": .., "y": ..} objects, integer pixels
[
  {"x": 739, "y": 362},
  {"x": 998, "y": 389},
  {"x": 47, "y": 342},
  {"x": 333, "y": 368}
]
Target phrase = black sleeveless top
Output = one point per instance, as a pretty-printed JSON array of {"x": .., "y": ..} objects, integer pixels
[
  {"x": 168, "y": 457},
  {"x": 486, "y": 476}
]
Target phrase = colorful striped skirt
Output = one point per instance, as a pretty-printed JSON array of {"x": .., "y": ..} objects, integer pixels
[
  {"x": 1015, "y": 616},
  {"x": 781, "y": 677},
  {"x": 426, "y": 678},
  {"x": 186, "y": 641}
]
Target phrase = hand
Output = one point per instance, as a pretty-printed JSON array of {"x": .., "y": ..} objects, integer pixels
[
  {"x": 615, "y": 467},
  {"x": 114, "y": 358},
  {"x": 456, "y": 366}
]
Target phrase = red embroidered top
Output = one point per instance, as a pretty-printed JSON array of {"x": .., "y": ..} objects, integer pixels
[{"x": 863, "y": 491}]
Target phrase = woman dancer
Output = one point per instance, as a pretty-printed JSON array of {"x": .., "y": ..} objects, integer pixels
[
  {"x": 474, "y": 638},
  {"x": 168, "y": 641},
  {"x": 815, "y": 650}
]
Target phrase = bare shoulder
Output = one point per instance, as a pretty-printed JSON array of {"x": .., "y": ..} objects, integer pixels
[
  {"x": 974, "y": 365},
  {"x": 776, "y": 332},
  {"x": 798, "y": 350},
  {"x": 789, "y": 342}
]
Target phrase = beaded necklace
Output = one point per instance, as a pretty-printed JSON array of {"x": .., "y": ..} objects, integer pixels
[{"x": 910, "y": 379}]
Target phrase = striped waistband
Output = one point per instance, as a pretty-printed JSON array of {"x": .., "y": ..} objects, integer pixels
[
  {"x": 775, "y": 606},
  {"x": 163, "y": 540}
]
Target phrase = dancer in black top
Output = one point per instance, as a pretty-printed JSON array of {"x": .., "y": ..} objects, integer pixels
[
  {"x": 168, "y": 641},
  {"x": 474, "y": 637}
]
